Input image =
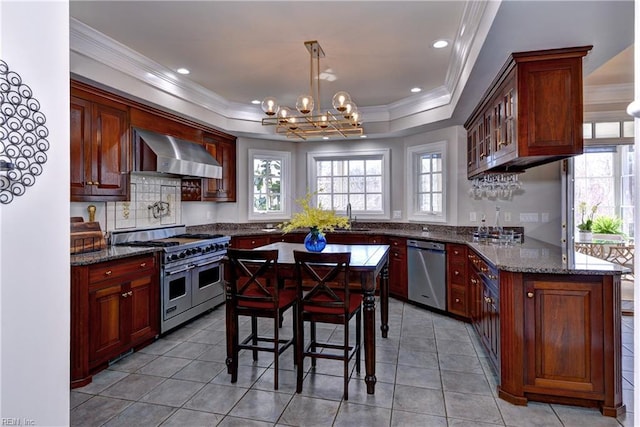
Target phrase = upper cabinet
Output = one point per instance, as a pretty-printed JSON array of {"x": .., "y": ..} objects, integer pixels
[
  {"x": 223, "y": 149},
  {"x": 531, "y": 114},
  {"x": 100, "y": 148}
]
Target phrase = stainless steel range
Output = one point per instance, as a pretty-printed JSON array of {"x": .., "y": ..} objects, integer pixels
[{"x": 192, "y": 279}]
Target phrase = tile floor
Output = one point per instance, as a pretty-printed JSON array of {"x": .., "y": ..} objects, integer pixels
[{"x": 431, "y": 372}]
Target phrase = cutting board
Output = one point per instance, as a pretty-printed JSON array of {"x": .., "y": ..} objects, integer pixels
[{"x": 86, "y": 237}]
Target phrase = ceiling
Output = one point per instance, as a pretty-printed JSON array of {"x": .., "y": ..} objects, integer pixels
[{"x": 238, "y": 51}]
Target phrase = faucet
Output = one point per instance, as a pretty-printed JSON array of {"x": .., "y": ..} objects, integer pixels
[{"x": 351, "y": 219}]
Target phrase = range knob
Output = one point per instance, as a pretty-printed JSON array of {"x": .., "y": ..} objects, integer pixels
[
  {"x": 182, "y": 255},
  {"x": 174, "y": 257}
]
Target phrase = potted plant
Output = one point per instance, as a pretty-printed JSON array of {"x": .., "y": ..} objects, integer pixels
[
  {"x": 317, "y": 220},
  {"x": 607, "y": 227},
  {"x": 585, "y": 233}
]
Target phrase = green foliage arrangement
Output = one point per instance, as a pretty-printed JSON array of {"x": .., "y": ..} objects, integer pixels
[
  {"x": 315, "y": 218},
  {"x": 606, "y": 224}
]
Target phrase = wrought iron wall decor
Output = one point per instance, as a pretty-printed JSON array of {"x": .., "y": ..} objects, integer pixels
[{"x": 23, "y": 136}]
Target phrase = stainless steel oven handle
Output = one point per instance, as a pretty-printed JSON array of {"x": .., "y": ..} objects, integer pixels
[
  {"x": 170, "y": 273},
  {"x": 213, "y": 261}
]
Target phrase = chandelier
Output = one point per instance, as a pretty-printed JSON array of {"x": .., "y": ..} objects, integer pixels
[{"x": 310, "y": 121}]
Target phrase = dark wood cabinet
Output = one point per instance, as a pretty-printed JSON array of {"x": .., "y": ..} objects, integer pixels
[
  {"x": 457, "y": 280},
  {"x": 249, "y": 242},
  {"x": 115, "y": 307},
  {"x": 531, "y": 114},
  {"x": 561, "y": 340},
  {"x": 484, "y": 288},
  {"x": 224, "y": 151},
  {"x": 568, "y": 313},
  {"x": 398, "y": 267},
  {"x": 100, "y": 148}
]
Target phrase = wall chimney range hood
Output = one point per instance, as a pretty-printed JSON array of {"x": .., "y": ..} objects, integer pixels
[{"x": 155, "y": 152}]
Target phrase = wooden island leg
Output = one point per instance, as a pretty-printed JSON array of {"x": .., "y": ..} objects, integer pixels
[
  {"x": 384, "y": 301},
  {"x": 369, "y": 305}
]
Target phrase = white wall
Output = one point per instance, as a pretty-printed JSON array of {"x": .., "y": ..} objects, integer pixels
[
  {"x": 34, "y": 228},
  {"x": 540, "y": 194}
]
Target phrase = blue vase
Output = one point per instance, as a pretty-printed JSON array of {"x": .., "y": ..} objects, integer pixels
[{"x": 315, "y": 240}]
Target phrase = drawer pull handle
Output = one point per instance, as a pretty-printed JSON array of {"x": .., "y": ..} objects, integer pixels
[
  {"x": 124, "y": 294},
  {"x": 108, "y": 273},
  {"x": 529, "y": 294}
]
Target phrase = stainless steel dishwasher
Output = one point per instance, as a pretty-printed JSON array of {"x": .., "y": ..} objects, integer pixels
[{"x": 426, "y": 268}]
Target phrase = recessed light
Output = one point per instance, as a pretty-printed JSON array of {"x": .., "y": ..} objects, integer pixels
[
  {"x": 325, "y": 137},
  {"x": 256, "y": 102},
  {"x": 363, "y": 136},
  {"x": 183, "y": 71},
  {"x": 439, "y": 44},
  {"x": 416, "y": 90}
]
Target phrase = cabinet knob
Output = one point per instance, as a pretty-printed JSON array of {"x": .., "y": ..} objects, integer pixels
[
  {"x": 130, "y": 293},
  {"x": 456, "y": 252},
  {"x": 96, "y": 183},
  {"x": 456, "y": 273},
  {"x": 529, "y": 294},
  {"x": 492, "y": 277},
  {"x": 124, "y": 294},
  {"x": 143, "y": 264},
  {"x": 487, "y": 300},
  {"x": 89, "y": 183},
  {"x": 108, "y": 273},
  {"x": 457, "y": 299}
]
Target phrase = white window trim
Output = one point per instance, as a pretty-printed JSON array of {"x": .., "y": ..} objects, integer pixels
[
  {"x": 285, "y": 185},
  {"x": 413, "y": 155},
  {"x": 313, "y": 157}
]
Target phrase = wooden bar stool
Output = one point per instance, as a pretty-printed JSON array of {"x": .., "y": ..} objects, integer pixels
[
  {"x": 327, "y": 301},
  {"x": 253, "y": 291}
]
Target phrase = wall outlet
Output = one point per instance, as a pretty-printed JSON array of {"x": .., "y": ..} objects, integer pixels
[
  {"x": 209, "y": 215},
  {"x": 507, "y": 217},
  {"x": 473, "y": 217},
  {"x": 544, "y": 217},
  {"x": 397, "y": 214}
]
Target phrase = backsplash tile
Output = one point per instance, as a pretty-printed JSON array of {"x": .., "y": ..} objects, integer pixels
[{"x": 149, "y": 195}]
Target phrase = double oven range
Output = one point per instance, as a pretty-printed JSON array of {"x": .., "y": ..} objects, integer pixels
[{"x": 191, "y": 276}]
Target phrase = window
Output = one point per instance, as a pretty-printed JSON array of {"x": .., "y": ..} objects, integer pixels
[
  {"x": 426, "y": 198},
  {"x": 359, "y": 178},
  {"x": 269, "y": 184},
  {"x": 608, "y": 130},
  {"x": 604, "y": 176}
]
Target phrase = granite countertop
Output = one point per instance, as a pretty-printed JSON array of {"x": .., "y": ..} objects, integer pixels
[
  {"x": 109, "y": 254},
  {"x": 532, "y": 256}
]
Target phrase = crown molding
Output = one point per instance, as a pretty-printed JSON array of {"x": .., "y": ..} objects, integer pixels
[{"x": 86, "y": 41}]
